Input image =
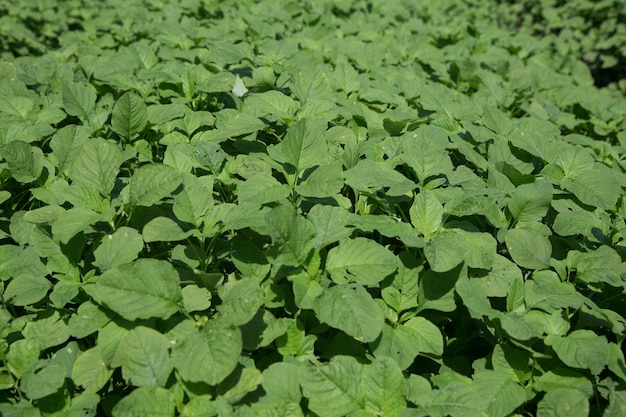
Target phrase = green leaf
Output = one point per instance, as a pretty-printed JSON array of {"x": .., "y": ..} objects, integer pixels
[
  {"x": 330, "y": 224},
  {"x": 78, "y": 100},
  {"x": 563, "y": 403},
  {"x": 383, "y": 387},
  {"x": 601, "y": 265},
  {"x": 209, "y": 355},
  {"x": 89, "y": 318},
  {"x": 90, "y": 371},
  {"x": 145, "y": 357},
  {"x": 530, "y": 202},
  {"x": 121, "y": 247},
  {"x": 262, "y": 189},
  {"x": 43, "y": 379},
  {"x": 369, "y": 176},
  {"x": 146, "y": 402},
  {"x": 424, "y": 151},
  {"x": 25, "y": 162},
  {"x": 582, "y": 222},
  {"x": 270, "y": 103},
  {"x": 445, "y": 251},
  {"x": 360, "y": 260},
  {"x": 96, "y": 165},
  {"x": 581, "y": 349},
  {"x": 150, "y": 183},
  {"x": 528, "y": 248},
  {"x": 163, "y": 229},
  {"x": 26, "y": 289},
  {"x": 304, "y": 145},
  {"x": 281, "y": 382},
  {"x": 333, "y": 388},
  {"x": 404, "y": 342},
  {"x": 350, "y": 308},
  {"x": 21, "y": 355},
  {"x": 130, "y": 116},
  {"x": 195, "y": 298},
  {"x": 499, "y": 395},
  {"x": 596, "y": 187},
  {"x": 426, "y": 214},
  {"x": 292, "y": 236},
  {"x": 65, "y": 145},
  {"x": 144, "y": 289},
  {"x": 324, "y": 181},
  {"x": 241, "y": 300},
  {"x": 194, "y": 200},
  {"x": 73, "y": 221},
  {"x": 48, "y": 331}
]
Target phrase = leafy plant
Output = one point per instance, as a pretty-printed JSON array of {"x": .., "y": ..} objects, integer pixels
[{"x": 327, "y": 208}]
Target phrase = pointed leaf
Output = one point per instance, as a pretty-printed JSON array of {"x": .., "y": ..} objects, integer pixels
[
  {"x": 78, "y": 100},
  {"x": 144, "y": 289},
  {"x": 130, "y": 116},
  {"x": 145, "y": 357},
  {"x": 350, "y": 308},
  {"x": 96, "y": 165},
  {"x": 150, "y": 183},
  {"x": 360, "y": 260},
  {"x": 528, "y": 248},
  {"x": 121, "y": 247},
  {"x": 146, "y": 402}
]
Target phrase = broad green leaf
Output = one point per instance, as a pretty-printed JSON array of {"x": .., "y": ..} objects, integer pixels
[
  {"x": 473, "y": 292},
  {"x": 582, "y": 222},
  {"x": 65, "y": 145},
  {"x": 21, "y": 355},
  {"x": 360, "y": 260},
  {"x": 150, "y": 183},
  {"x": 404, "y": 342},
  {"x": 49, "y": 330},
  {"x": 520, "y": 327},
  {"x": 145, "y": 357},
  {"x": 90, "y": 371},
  {"x": 370, "y": 176},
  {"x": 146, "y": 402},
  {"x": 581, "y": 349},
  {"x": 194, "y": 200},
  {"x": 499, "y": 395},
  {"x": 159, "y": 114},
  {"x": 241, "y": 300},
  {"x": 73, "y": 221},
  {"x": 209, "y": 355},
  {"x": 26, "y": 289},
  {"x": 350, "y": 308},
  {"x": 272, "y": 103},
  {"x": 304, "y": 145},
  {"x": 121, "y": 247},
  {"x": 262, "y": 189},
  {"x": 383, "y": 387},
  {"x": 23, "y": 408},
  {"x": 163, "y": 229},
  {"x": 528, "y": 248},
  {"x": 445, "y": 251},
  {"x": 88, "y": 319},
  {"x": 426, "y": 214},
  {"x": 333, "y": 388},
  {"x": 511, "y": 362},
  {"x": 563, "y": 403},
  {"x": 43, "y": 379},
  {"x": 455, "y": 399},
  {"x": 239, "y": 383},
  {"x": 201, "y": 406},
  {"x": 481, "y": 249},
  {"x": 281, "y": 382},
  {"x": 25, "y": 162},
  {"x": 195, "y": 298},
  {"x": 292, "y": 235},
  {"x": 601, "y": 265},
  {"x": 143, "y": 289},
  {"x": 78, "y": 100},
  {"x": 330, "y": 224},
  {"x": 596, "y": 187},
  {"x": 400, "y": 291},
  {"x": 565, "y": 378},
  {"x": 324, "y": 181},
  {"x": 424, "y": 151},
  {"x": 96, "y": 165},
  {"x": 530, "y": 202},
  {"x": 130, "y": 116}
]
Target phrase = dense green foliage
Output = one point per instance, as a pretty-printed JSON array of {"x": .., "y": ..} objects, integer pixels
[{"x": 312, "y": 208}]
